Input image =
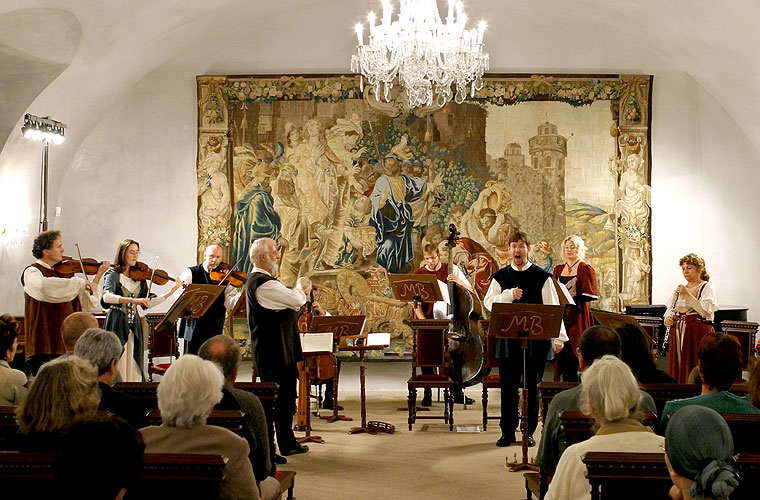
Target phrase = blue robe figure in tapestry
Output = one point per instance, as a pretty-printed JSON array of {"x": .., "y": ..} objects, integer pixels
[
  {"x": 392, "y": 215},
  {"x": 255, "y": 218}
]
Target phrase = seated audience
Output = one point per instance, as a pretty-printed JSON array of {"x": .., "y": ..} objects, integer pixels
[
  {"x": 81, "y": 470},
  {"x": 719, "y": 362},
  {"x": 636, "y": 353},
  {"x": 698, "y": 451},
  {"x": 187, "y": 393},
  {"x": 595, "y": 342},
  {"x": 103, "y": 349},
  {"x": 12, "y": 382},
  {"x": 754, "y": 384},
  {"x": 65, "y": 390},
  {"x": 225, "y": 352},
  {"x": 611, "y": 396},
  {"x": 73, "y": 326}
]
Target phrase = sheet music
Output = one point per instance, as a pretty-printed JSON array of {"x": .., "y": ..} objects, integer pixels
[
  {"x": 565, "y": 292},
  {"x": 317, "y": 342},
  {"x": 378, "y": 339}
]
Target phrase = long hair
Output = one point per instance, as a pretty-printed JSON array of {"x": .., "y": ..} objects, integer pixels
[{"x": 120, "y": 261}]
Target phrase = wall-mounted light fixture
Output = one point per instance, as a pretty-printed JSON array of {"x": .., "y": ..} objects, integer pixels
[{"x": 46, "y": 130}]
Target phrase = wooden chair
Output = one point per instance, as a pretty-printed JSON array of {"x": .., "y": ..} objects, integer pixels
[
  {"x": 745, "y": 430},
  {"x": 547, "y": 390},
  {"x": 8, "y": 424},
  {"x": 490, "y": 365},
  {"x": 287, "y": 479},
  {"x": 429, "y": 349},
  {"x": 162, "y": 343},
  {"x": 622, "y": 476},
  {"x": 229, "y": 419}
]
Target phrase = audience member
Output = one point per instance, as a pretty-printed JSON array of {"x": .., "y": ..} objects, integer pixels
[
  {"x": 611, "y": 396},
  {"x": 636, "y": 353},
  {"x": 754, "y": 384},
  {"x": 12, "y": 382},
  {"x": 73, "y": 326},
  {"x": 695, "y": 378},
  {"x": 103, "y": 349},
  {"x": 187, "y": 393},
  {"x": 698, "y": 452},
  {"x": 81, "y": 469},
  {"x": 224, "y": 351},
  {"x": 65, "y": 389},
  {"x": 595, "y": 342},
  {"x": 719, "y": 362}
]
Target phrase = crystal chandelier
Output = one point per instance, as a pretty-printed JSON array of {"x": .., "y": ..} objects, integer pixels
[{"x": 426, "y": 54}]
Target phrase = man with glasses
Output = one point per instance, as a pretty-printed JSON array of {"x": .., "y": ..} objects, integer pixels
[{"x": 521, "y": 282}]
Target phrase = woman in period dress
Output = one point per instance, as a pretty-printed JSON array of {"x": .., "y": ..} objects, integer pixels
[
  {"x": 121, "y": 297},
  {"x": 580, "y": 280},
  {"x": 690, "y": 313}
]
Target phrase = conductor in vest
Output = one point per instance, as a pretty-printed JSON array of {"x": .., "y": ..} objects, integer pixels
[
  {"x": 521, "y": 282},
  {"x": 273, "y": 323}
]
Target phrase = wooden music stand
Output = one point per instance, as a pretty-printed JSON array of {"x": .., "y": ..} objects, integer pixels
[
  {"x": 304, "y": 393},
  {"x": 525, "y": 322},
  {"x": 239, "y": 309},
  {"x": 339, "y": 326},
  {"x": 416, "y": 289},
  {"x": 193, "y": 303},
  {"x": 614, "y": 320}
]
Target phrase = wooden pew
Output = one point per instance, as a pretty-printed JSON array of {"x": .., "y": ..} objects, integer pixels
[
  {"x": 229, "y": 419},
  {"x": 645, "y": 475},
  {"x": 745, "y": 430},
  {"x": 8, "y": 424},
  {"x": 146, "y": 392},
  {"x": 577, "y": 427},
  {"x": 165, "y": 475}
]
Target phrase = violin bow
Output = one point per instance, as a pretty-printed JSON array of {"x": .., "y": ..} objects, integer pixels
[
  {"x": 81, "y": 264},
  {"x": 152, "y": 273}
]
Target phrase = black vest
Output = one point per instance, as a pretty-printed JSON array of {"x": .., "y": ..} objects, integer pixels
[
  {"x": 211, "y": 323},
  {"x": 275, "y": 340}
]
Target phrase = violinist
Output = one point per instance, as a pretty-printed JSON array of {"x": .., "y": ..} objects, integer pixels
[
  {"x": 121, "y": 296},
  {"x": 197, "y": 331},
  {"x": 439, "y": 310},
  {"x": 49, "y": 298}
]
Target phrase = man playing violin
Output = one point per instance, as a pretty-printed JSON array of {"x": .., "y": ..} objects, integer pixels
[
  {"x": 197, "y": 331},
  {"x": 439, "y": 310},
  {"x": 49, "y": 299}
]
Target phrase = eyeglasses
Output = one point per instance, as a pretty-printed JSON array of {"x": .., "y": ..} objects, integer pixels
[{"x": 133, "y": 252}]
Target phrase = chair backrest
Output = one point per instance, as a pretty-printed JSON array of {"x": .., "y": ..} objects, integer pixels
[
  {"x": 429, "y": 343},
  {"x": 8, "y": 425},
  {"x": 162, "y": 343},
  {"x": 547, "y": 390},
  {"x": 745, "y": 429},
  {"x": 165, "y": 475},
  {"x": 577, "y": 427},
  {"x": 662, "y": 393},
  {"x": 622, "y": 476}
]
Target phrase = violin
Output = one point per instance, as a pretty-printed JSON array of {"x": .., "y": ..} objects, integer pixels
[
  {"x": 224, "y": 274},
  {"x": 141, "y": 272},
  {"x": 68, "y": 267}
]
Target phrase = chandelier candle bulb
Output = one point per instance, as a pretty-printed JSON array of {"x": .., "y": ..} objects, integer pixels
[
  {"x": 359, "y": 37},
  {"x": 371, "y": 19}
]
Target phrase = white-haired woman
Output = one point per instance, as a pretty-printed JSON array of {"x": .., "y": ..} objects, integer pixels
[
  {"x": 610, "y": 394},
  {"x": 187, "y": 393},
  {"x": 580, "y": 280}
]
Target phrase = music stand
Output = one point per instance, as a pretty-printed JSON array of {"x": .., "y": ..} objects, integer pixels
[
  {"x": 525, "y": 322},
  {"x": 308, "y": 350},
  {"x": 193, "y": 303},
  {"x": 417, "y": 289},
  {"x": 239, "y": 309},
  {"x": 614, "y": 320},
  {"x": 339, "y": 326}
]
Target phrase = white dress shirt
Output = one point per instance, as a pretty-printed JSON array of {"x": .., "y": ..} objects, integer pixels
[
  {"x": 58, "y": 290},
  {"x": 275, "y": 296}
]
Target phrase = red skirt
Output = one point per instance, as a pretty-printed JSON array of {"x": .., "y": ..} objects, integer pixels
[{"x": 688, "y": 338}]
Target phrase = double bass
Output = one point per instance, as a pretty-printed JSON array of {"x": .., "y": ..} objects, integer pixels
[{"x": 467, "y": 349}]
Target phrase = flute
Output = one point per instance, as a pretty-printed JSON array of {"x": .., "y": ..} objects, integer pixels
[{"x": 667, "y": 329}]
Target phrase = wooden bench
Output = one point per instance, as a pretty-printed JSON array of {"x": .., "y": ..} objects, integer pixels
[
  {"x": 645, "y": 475},
  {"x": 146, "y": 392},
  {"x": 577, "y": 427},
  {"x": 229, "y": 419},
  {"x": 165, "y": 475}
]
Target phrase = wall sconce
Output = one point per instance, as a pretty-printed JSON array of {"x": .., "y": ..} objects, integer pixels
[{"x": 46, "y": 130}]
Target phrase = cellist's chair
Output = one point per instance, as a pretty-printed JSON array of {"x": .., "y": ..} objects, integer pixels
[
  {"x": 491, "y": 380},
  {"x": 429, "y": 350},
  {"x": 161, "y": 343}
]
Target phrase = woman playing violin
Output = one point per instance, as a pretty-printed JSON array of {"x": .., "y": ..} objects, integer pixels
[{"x": 121, "y": 296}]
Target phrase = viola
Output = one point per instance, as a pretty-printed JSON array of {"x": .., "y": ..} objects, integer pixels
[
  {"x": 141, "y": 272},
  {"x": 224, "y": 274},
  {"x": 68, "y": 267}
]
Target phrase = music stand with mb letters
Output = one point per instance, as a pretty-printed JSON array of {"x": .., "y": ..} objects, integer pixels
[{"x": 525, "y": 322}]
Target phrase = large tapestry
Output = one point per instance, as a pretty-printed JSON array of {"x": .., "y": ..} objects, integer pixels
[{"x": 352, "y": 188}]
